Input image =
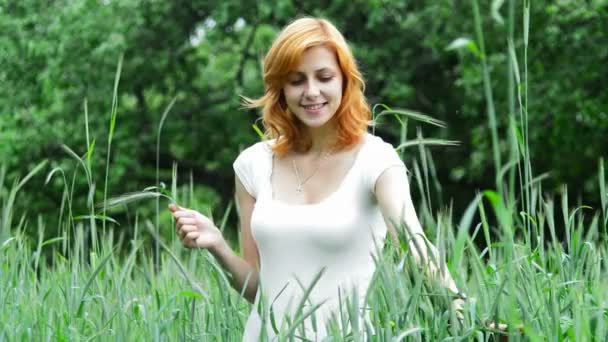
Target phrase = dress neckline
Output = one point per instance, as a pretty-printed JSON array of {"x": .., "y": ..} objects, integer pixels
[{"x": 326, "y": 198}]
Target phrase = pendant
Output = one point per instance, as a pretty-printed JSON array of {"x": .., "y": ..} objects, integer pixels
[{"x": 299, "y": 189}]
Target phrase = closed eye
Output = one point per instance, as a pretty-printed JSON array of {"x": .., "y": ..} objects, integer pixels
[{"x": 301, "y": 81}]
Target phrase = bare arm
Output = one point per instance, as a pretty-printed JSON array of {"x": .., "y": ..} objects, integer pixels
[
  {"x": 393, "y": 194},
  {"x": 197, "y": 231}
]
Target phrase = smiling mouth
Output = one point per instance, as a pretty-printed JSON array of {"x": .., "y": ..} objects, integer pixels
[{"x": 316, "y": 106}]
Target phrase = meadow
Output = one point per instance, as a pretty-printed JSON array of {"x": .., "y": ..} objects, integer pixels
[{"x": 77, "y": 286}]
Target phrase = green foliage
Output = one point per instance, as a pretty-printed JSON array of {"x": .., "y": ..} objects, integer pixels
[{"x": 57, "y": 55}]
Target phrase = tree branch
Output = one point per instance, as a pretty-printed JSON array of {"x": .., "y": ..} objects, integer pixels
[{"x": 245, "y": 54}]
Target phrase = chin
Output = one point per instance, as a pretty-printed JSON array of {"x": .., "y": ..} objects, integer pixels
[{"x": 314, "y": 123}]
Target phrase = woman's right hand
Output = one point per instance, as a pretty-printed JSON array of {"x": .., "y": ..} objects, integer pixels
[{"x": 195, "y": 229}]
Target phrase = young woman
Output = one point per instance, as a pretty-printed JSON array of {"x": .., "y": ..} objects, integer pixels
[{"x": 317, "y": 197}]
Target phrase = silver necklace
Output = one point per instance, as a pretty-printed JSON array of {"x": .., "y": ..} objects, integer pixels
[{"x": 299, "y": 188}]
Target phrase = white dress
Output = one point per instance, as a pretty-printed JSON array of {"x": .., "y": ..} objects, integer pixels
[{"x": 339, "y": 235}]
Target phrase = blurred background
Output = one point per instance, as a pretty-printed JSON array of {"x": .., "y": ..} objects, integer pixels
[{"x": 59, "y": 57}]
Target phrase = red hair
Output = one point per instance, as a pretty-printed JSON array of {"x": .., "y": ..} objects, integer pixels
[{"x": 353, "y": 114}]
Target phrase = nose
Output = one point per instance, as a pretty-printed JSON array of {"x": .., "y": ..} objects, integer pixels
[{"x": 312, "y": 90}]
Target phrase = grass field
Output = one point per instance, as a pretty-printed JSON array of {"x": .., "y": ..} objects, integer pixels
[{"x": 74, "y": 287}]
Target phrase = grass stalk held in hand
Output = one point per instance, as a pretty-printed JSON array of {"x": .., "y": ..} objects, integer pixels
[
  {"x": 148, "y": 193},
  {"x": 157, "y": 216}
]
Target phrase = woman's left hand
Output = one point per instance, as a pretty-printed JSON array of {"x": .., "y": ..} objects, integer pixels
[{"x": 458, "y": 307}]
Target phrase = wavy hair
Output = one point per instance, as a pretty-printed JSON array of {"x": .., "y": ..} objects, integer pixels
[{"x": 353, "y": 115}]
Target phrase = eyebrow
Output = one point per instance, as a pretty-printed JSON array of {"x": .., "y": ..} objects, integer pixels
[{"x": 316, "y": 71}]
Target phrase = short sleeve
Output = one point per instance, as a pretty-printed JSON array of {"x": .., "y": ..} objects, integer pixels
[
  {"x": 244, "y": 170},
  {"x": 381, "y": 157}
]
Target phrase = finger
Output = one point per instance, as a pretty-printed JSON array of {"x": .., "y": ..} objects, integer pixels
[
  {"x": 188, "y": 243},
  {"x": 188, "y": 229},
  {"x": 498, "y": 326},
  {"x": 182, "y": 213},
  {"x": 178, "y": 225},
  {"x": 192, "y": 235},
  {"x": 174, "y": 208},
  {"x": 186, "y": 221},
  {"x": 185, "y": 229}
]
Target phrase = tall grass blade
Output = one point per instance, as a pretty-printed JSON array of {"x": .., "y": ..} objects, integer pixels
[
  {"x": 603, "y": 193},
  {"x": 91, "y": 278},
  {"x": 427, "y": 142},
  {"x": 410, "y": 114},
  {"x": 463, "y": 231},
  {"x": 73, "y": 154},
  {"x": 181, "y": 267},
  {"x": 514, "y": 63},
  {"x": 7, "y": 206},
  {"x": 158, "y": 134},
  {"x": 487, "y": 89},
  {"x": 496, "y": 5},
  {"x": 113, "y": 116}
]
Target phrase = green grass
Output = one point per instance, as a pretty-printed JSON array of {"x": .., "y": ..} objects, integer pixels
[
  {"x": 554, "y": 290},
  {"x": 505, "y": 252}
]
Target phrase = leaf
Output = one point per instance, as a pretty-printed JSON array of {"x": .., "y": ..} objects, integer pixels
[
  {"x": 513, "y": 58},
  {"x": 503, "y": 215},
  {"x": 526, "y": 22},
  {"x": 128, "y": 198},
  {"x": 258, "y": 131},
  {"x": 51, "y": 173},
  {"x": 414, "y": 115},
  {"x": 97, "y": 217},
  {"x": 6, "y": 242},
  {"x": 73, "y": 154},
  {"x": 408, "y": 332},
  {"x": 458, "y": 43},
  {"x": 50, "y": 241},
  {"x": 31, "y": 174},
  {"x": 496, "y": 4},
  {"x": 427, "y": 141},
  {"x": 114, "y": 110},
  {"x": 90, "y": 151},
  {"x": 165, "y": 114},
  {"x": 190, "y": 294},
  {"x": 463, "y": 228},
  {"x": 193, "y": 284},
  {"x": 91, "y": 278},
  {"x": 462, "y": 42},
  {"x": 386, "y": 107},
  {"x": 603, "y": 193}
]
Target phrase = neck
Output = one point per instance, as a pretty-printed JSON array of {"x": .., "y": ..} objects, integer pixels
[{"x": 323, "y": 138}]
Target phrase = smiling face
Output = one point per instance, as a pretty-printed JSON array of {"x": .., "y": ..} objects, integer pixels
[{"x": 313, "y": 91}]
